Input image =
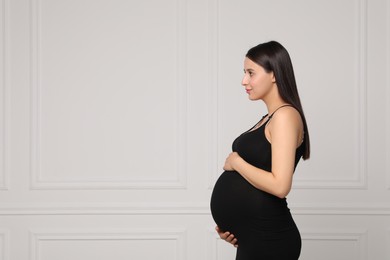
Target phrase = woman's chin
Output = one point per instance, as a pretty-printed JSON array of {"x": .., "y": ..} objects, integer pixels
[{"x": 252, "y": 98}]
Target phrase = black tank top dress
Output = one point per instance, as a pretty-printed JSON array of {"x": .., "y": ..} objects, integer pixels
[{"x": 261, "y": 222}]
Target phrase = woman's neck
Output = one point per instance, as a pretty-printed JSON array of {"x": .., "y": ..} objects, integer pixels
[{"x": 274, "y": 104}]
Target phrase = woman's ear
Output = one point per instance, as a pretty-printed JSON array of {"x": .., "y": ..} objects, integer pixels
[{"x": 273, "y": 77}]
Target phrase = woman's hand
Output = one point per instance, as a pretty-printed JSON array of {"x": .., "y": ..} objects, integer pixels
[
  {"x": 227, "y": 236},
  {"x": 230, "y": 161}
]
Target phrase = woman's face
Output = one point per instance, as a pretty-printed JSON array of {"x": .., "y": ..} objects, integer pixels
[{"x": 257, "y": 82}]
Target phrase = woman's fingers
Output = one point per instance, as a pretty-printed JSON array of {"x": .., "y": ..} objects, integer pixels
[
  {"x": 227, "y": 236},
  {"x": 234, "y": 242}
]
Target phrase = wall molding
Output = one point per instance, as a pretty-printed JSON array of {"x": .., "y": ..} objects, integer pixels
[
  {"x": 387, "y": 115},
  {"x": 388, "y": 243},
  {"x": 212, "y": 94},
  {"x": 356, "y": 235},
  {"x": 359, "y": 181},
  {"x": 177, "y": 209},
  {"x": 213, "y": 239},
  {"x": 340, "y": 209},
  {"x": 4, "y": 244},
  {"x": 4, "y": 94},
  {"x": 38, "y": 182},
  {"x": 360, "y": 105},
  {"x": 58, "y": 235}
]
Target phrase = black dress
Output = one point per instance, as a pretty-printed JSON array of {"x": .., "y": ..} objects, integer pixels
[{"x": 260, "y": 221}]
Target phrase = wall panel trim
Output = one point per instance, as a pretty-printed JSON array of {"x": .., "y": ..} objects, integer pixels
[
  {"x": 4, "y": 246},
  {"x": 37, "y": 180},
  {"x": 358, "y": 236},
  {"x": 360, "y": 106},
  {"x": 212, "y": 243},
  {"x": 178, "y": 209},
  {"x": 212, "y": 95},
  {"x": 388, "y": 243},
  {"x": 4, "y": 94},
  {"x": 175, "y": 234},
  {"x": 359, "y": 180},
  {"x": 387, "y": 115}
]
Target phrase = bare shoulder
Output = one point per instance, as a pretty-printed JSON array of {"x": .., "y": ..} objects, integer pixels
[
  {"x": 286, "y": 118},
  {"x": 287, "y": 114}
]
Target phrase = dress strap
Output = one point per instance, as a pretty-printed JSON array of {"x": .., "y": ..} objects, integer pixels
[
  {"x": 268, "y": 119},
  {"x": 257, "y": 124},
  {"x": 286, "y": 105}
]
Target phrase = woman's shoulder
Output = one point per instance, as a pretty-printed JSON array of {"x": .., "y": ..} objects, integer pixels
[
  {"x": 287, "y": 116},
  {"x": 286, "y": 125}
]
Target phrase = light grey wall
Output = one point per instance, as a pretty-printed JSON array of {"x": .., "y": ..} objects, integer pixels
[{"x": 116, "y": 117}]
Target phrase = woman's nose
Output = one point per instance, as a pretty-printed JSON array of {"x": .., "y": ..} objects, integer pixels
[{"x": 244, "y": 81}]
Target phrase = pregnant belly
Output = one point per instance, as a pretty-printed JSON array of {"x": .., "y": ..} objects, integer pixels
[{"x": 236, "y": 204}]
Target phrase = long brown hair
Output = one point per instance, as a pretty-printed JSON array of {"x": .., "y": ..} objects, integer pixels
[{"x": 273, "y": 57}]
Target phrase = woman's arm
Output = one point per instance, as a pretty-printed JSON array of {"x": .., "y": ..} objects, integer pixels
[{"x": 285, "y": 130}]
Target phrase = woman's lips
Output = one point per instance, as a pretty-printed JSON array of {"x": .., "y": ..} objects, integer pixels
[{"x": 247, "y": 90}]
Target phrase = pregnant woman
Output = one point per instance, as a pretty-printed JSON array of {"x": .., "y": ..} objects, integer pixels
[{"x": 248, "y": 202}]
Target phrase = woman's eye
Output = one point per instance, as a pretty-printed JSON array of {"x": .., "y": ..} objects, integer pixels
[{"x": 250, "y": 72}]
